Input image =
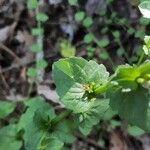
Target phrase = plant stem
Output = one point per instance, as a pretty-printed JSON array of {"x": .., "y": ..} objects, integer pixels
[
  {"x": 125, "y": 54},
  {"x": 10, "y": 52},
  {"x": 141, "y": 58},
  {"x": 103, "y": 88},
  {"x": 40, "y": 55}
]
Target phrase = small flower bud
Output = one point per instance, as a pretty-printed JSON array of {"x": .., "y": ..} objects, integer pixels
[{"x": 140, "y": 80}]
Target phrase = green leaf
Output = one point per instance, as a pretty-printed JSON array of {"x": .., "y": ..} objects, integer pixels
[
  {"x": 103, "y": 55},
  {"x": 146, "y": 47},
  {"x": 120, "y": 52},
  {"x": 67, "y": 70},
  {"x": 134, "y": 58},
  {"x": 32, "y": 72},
  {"x": 66, "y": 49},
  {"x": 145, "y": 9},
  {"x": 6, "y": 108},
  {"x": 76, "y": 73},
  {"x": 32, "y": 4},
  {"x": 72, "y": 2},
  {"x": 90, "y": 49},
  {"x": 54, "y": 144},
  {"x": 34, "y": 138},
  {"x": 109, "y": 114},
  {"x": 33, "y": 105},
  {"x": 35, "y": 122},
  {"x": 36, "y": 48},
  {"x": 116, "y": 34},
  {"x": 92, "y": 117},
  {"x": 147, "y": 41},
  {"x": 144, "y": 21},
  {"x": 126, "y": 76},
  {"x": 135, "y": 131},
  {"x": 88, "y": 38},
  {"x": 126, "y": 72},
  {"x": 131, "y": 31},
  {"x": 37, "y": 31},
  {"x": 41, "y": 17},
  {"x": 113, "y": 15},
  {"x": 129, "y": 77},
  {"x": 104, "y": 30},
  {"x": 109, "y": 22},
  {"x": 123, "y": 21},
  {"x": 103, "y": 43},
  {"x": 8, "y": 138},
  {"x": 144, "y": 68},
  {"x": 139, "y": 34},
  {"x": 87, "y": 22},
  {"x": 64, "y": 131},
  {"x": 79, "y": 76},
  {"x": 109, "y": 1},
  {"x": 43, "y": 117},
  {"x": 79, "y": 16},
  {"x": 41, "y": 64},
  {"x": 132, "y": 106}
]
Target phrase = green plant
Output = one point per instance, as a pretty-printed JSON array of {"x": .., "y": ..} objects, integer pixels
[
  {"x": 36, "y": 73},
  {"x": 88, "y": 93},
  {"x": 101, "y": 39},
  {"x": 66, "y": 49},
  {"x": 89, "y": 38}
]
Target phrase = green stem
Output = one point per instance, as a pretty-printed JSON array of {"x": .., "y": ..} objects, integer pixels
[
  {"x": 38, "y": 22},
  {"x": 31, "y": 84},
  {"x": 125, "y": 54},
  {"x": 103, "y": 88},
  {"x": 141, "y": 58}
]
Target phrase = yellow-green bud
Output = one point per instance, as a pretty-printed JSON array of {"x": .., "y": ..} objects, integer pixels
[{"x": 140, "y": 80}]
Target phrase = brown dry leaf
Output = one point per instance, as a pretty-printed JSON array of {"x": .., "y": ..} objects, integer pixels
[
  {"x": 116, "y": 142},
  {"x": 145, "y": 139},
  {"x": 24, "y": 37},
  {"x": 13, "y": 96},
  {"x": 6, "y": 32},
  {"x": 48, "y": 93}
]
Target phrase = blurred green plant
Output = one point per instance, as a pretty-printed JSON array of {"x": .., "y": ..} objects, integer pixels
[
  {"x": 37, "y": 48},
  {"x": 103, "y": 43},
  {"x": 66, "y": 49}
]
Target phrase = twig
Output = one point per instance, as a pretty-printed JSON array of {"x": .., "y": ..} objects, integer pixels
[
  {"x": 16, "y": 66},
  {"x": 3, "y": 80},
  {"x": 10, "y": 52}
]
